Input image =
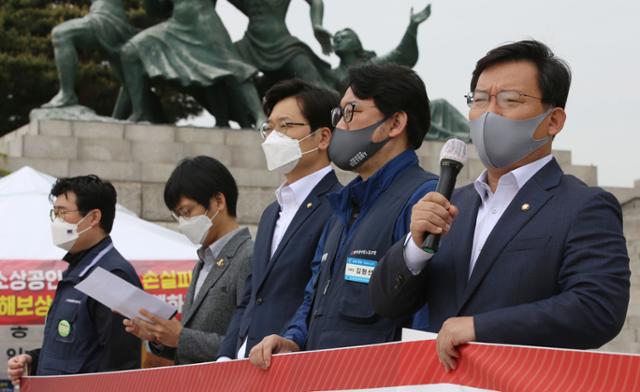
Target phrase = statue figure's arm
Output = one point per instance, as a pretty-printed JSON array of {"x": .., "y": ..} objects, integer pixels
[
  {"x": 323, "y": 36},
  {"x": 406, "y": 53},
  {"x": 158, "y": 8}
]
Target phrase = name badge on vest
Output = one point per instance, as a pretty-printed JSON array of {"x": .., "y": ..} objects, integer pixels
[{"x": 359, "y": 270}]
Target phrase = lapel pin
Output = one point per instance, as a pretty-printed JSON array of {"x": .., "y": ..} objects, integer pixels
[
  {"x": 309, "y": 204},
  {"x": 220, "y": 263},
  {"x": 525, "y": 207}
]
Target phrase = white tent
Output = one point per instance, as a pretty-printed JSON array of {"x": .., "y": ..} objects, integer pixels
[{"x": 25, "y": 225}]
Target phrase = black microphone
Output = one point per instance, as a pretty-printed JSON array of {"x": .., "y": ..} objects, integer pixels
[{"x": 452, "y": 158}]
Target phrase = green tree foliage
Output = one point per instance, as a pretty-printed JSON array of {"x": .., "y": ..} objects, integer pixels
[{"x": 28, "y": 75}]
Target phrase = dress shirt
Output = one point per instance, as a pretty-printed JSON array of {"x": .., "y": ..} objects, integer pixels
[
  {"x": 209, "y": 256},
  {"x": 290, "y": 197},
  {"x": 491, "y": 209}
]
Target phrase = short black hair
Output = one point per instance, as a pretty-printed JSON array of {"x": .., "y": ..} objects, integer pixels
[
  {"x": 314, "y": 102},
  {"x": 395, "y": 88},
  {"x": 91, "y": 193},
  {"x": 201, "y": 178},
  {"x": 554, "y": 74}
]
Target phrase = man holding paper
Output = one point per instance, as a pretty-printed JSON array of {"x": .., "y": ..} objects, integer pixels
[
  {"x": 202, "y": 196},
  {"x": 81, "y": 335}
]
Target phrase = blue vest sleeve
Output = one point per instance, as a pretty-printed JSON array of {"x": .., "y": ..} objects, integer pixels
[
  {"x": 404, "y": 220},
  {"x": 297, "y": 328}
]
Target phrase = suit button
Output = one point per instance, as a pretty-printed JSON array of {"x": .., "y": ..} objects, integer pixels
[{"x": 259, "y": 300}]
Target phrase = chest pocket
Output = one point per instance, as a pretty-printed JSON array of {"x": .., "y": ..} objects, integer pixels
[
  {"x": 65, "y": 320},
  {"x": 530, "y": 243},
  {"x": 354, "y": 304}
]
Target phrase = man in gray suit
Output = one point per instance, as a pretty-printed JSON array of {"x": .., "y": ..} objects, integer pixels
[{"x": 202, "y": 195}]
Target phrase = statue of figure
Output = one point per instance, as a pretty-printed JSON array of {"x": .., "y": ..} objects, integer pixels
[
  {"x": 348, "y": 47},
  {"x": 446, "y": 121},
  {"x": 270, "y": 47},
  {"x": 105, "y": 28},
  {"x": 193, "y": 50}
]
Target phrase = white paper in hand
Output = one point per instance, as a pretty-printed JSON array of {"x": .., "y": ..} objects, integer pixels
[{"x": 123, "y": 297}]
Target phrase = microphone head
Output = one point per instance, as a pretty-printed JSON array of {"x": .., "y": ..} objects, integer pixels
[{"x": 454, "y": 150}]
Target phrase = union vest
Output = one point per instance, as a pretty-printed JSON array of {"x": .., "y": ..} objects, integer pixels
[
  {"x": 70, "y": 343},
  {"x": 342, "y": 314}
]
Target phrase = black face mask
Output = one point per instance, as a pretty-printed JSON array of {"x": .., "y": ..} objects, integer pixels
[{"x": 350, "y": 149}]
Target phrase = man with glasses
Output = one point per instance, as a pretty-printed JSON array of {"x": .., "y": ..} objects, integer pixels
[
  {"x": 297, "y": 136},
  {"x": 531, "y": 256},
  {"x": 81, "y": 335},
  {"x": 202, "y": 196},
  {"x": 382, "y": 118}
]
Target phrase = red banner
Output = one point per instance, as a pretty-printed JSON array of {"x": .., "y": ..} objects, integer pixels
[
  {"x": 489, "y": 367},
  {"x": 27, "y": 287}
]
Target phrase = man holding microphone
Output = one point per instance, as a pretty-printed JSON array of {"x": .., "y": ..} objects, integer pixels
[{"x": 529, "y": 255}]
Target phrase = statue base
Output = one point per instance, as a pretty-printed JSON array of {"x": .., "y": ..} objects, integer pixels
[{"x": 70, "y": 113}]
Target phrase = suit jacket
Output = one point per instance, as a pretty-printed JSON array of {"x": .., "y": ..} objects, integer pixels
[
  {"x": 206, "y": 317},
  {"x": 275, "y": 288},
  {"x": 553, "y": 274}
]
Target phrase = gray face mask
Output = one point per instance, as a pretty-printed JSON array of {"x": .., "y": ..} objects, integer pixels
[
  {"x": 350, "y": 149},
  {"x": 502, "y": 142}
]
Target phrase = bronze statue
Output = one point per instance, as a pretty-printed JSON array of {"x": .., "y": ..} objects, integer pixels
[
  {"x": 348, "y": 47},
  {"x": 193, "y": 50},
  {"x": 105, "y": 28},
  {"x": 269, "y": 46},
  {"x": 446, "y": 121}
]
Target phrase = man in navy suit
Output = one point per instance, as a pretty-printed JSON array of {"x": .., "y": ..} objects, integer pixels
[
  {"x": 531, "y": 256},
  {"x": 297, "y": 136},
  {"x": 382, "y": 119}
]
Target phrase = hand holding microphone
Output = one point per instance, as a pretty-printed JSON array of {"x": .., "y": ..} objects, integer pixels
[{"x": 433, "y": 214}]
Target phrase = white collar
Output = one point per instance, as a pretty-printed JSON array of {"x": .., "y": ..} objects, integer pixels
[
  {"x": 301, "y": 188},
  {"x": 518, "y": 177},
  {"x": 211, "y": 253}
]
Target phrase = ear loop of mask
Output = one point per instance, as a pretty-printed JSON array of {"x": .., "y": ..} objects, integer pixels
[
  {"x": 547, "y": 114},
  {"x": 85, "y": 230},
  {"x": 214, "y": 215},
  {"x": 313, "y": 149}
]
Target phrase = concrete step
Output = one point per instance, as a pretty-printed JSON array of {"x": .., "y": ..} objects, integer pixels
[
  {"x": 621, "y": 347},
  {"x": 626, "y": 336},
  {"x": 154, "y": 146},
  {"x": 631, "y": 229}
]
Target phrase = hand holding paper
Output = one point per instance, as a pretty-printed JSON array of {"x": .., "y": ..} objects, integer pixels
[
  {"x": 157, "y": 330},
  {"x": 123, "y": 297}
]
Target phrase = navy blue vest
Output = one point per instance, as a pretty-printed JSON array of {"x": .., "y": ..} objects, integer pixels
[
  {"x": 342, "y": 314},
  {"x": 70, "y": 342}
]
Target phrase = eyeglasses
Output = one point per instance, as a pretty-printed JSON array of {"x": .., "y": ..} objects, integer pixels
[
  {"x": 184, "y": 211},
  {"x": 508, "y": 99},
  {"x": 266, "y": 127},
  {"x": 55, "y": 213},
  {"x": 345, "y": 112}
]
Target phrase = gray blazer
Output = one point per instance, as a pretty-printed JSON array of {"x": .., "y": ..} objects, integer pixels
[{"x": 205, "y": 318}]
